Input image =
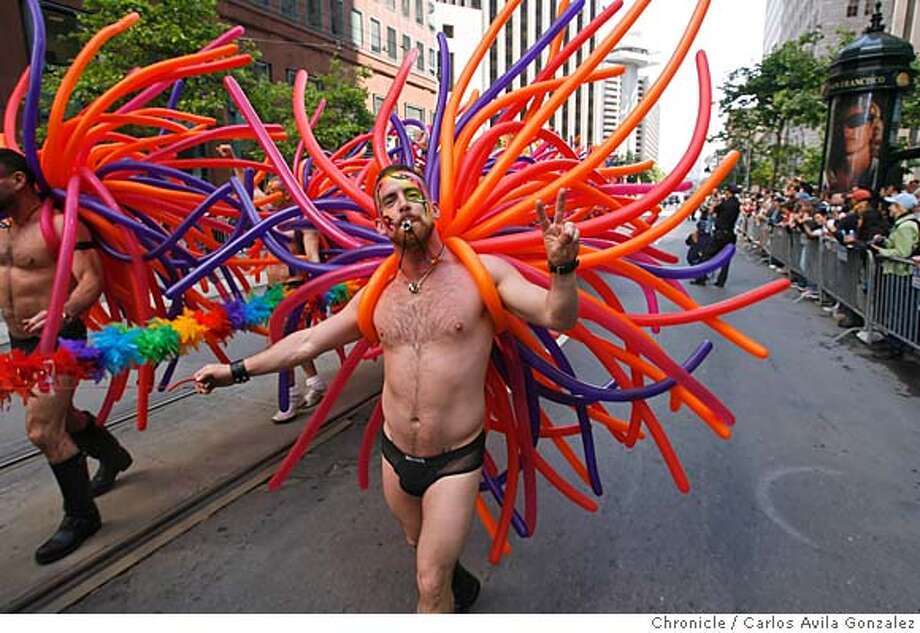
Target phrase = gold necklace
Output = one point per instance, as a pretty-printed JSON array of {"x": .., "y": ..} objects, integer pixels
[{"x": 415, "y": 287}]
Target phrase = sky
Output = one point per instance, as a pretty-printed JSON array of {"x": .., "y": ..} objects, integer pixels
[{"x": 731, "y": 35}]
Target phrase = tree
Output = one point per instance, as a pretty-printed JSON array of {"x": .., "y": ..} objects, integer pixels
[
  {"x": 768, "y": 99},
  {"x": 169, "y": 28}
]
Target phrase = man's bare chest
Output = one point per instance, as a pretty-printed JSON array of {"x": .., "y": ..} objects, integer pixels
[
  {"x": 24, "y": 249},
  {"x": 448, "y": 307}
]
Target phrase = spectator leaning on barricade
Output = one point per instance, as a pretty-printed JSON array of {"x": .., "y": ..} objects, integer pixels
[
  {"x": 903, "y": 242},
  {"x": 904, "y": 237}
]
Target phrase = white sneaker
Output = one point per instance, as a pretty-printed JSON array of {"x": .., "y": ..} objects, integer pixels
[
  {"x": 286, "y": 415},
  {"x": 312, "y": 398}
]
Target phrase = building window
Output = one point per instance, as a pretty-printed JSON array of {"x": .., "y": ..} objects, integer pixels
[
  {"x": 420, "y": 60},
  {"x": 525, "y": 40},
  {"x": 357, "y": 29},
  {"x": 375, "y": 35},
  {"x": 263, "y": 70},
  {"x": 337, "y": 24},
  {"x": 290, "y": 75},
  {"x": 406, "y": 45},
  {"x": 315, "y": 13},
  {"x": 509, "y": 55},
  {"x": 870, "y": 7},
  {"x": 432, "y": 61},
  {"x": 289, "y": 8},
  {"x": 61, "y": 26},
  {"x": 391, "y": 42},
  {"x": 405, "y": 7},
  {"x": 378, "y": 103},
  {"x": 413, "y": 112},
  {"x": 448, "y": 30},
  {"x": 852, "y": 8},
  {"x": 420, "y": 11},
  {"x": 538, "y": 29},
  {"x": 391, "y": 5},
  {"x": 452, "y": 71}
]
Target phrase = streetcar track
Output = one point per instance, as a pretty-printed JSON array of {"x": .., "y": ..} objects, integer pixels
[
  {"x": 18, "y": 456},
  {"x": 75, "y": 583}
]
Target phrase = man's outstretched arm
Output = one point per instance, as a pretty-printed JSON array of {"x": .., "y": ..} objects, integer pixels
[
  {"x": 556, "y": 308},
  {"x": 291, "y": 351}
]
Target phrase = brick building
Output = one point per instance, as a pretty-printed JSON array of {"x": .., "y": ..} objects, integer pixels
[{"x": 291, "y": 34}]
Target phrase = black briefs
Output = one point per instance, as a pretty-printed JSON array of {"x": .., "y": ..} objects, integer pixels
[
  {"x": 416, "y": 474},
  {"x": 70, "y": 329}
]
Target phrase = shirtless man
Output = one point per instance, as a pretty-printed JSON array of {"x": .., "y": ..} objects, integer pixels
[
  {"x": 436, "y": 336},
  {"x": 64, "y": 434}
]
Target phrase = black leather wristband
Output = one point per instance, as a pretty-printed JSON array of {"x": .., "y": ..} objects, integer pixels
[
  {"x": 564, "y": 269},
  {"x": 238, "y": 371}
]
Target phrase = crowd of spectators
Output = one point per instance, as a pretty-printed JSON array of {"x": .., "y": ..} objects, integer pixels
[{"x": 888, "y": 224}]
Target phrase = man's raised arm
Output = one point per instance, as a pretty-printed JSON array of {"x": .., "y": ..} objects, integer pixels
[
  {"x": 289, "y": 352},
  {"x": 557, "y": 308}
]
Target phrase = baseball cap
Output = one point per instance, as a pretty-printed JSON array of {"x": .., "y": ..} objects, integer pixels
[
  {"x": 860, "y": 194},
  {"x": 734, "y": 188},
  {"x": 906, "y": 200}
]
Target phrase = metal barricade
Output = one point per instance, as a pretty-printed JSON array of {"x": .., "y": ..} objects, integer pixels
[
  {"x": 811, "y": 267},
  {"x": 843, "y": 275},
  {"x": 780, "y": 244},
  {"x": 895, "y": 305},
  {"x": 889, "y": 303}
]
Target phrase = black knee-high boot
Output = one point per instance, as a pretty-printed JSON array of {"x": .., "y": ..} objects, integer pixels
[
  {"x": 81, "y": 517},
  {"x": 465, "y": 587},
  {"x": 99, "y": 443}
]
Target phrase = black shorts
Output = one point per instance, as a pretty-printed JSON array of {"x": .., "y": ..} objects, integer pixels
[
  {"x": 416, "y": 474},
  {"x": 73, "y": 329}
]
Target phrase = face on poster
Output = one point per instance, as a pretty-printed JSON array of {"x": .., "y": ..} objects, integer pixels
[{"x": 857, "y": 132}]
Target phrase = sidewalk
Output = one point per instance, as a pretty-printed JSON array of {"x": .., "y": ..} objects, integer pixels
[{"x": 188, "y": 448}]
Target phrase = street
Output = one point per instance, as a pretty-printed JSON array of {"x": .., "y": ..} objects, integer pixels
[{"x": 812, "y": 506}]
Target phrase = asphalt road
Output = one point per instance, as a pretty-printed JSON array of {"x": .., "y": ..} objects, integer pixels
[{"x": 812, "y": 506}]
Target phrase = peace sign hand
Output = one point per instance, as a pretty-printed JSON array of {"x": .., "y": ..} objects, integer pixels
[{"x": 560, "y": 238}]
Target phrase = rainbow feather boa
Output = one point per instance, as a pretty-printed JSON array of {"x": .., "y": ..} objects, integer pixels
[{"x": 118, "y": 346}]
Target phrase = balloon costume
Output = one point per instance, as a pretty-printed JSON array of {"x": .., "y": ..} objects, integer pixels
[{"x": 158, "y": 226}]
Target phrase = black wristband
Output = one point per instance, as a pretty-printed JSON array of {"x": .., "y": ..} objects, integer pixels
[
  {"x": 564, "y": 269},
  {"x": 238, "y": 371}
]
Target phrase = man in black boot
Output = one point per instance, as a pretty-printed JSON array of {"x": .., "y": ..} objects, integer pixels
[
  {"x": 465, "y": 587},
  {"x": 81, "y": 517},
  {"x": 97, "y": 442},
  {"x": 27, "y": 268}
]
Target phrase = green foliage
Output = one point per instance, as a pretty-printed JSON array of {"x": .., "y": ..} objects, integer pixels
[
  {"x": 763, "y": 102},
  {"x": 910, "y": 106},
  {"x": 169, "y": 28}
]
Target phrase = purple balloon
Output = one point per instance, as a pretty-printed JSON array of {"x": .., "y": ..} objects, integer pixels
[{"x": 33, "y": 95}]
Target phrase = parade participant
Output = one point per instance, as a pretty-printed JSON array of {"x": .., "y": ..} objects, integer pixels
[
  {"x": 436, "y": 336},
  {"x": 306, "y": 244},
  {"x": 62, "y": 433}
]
